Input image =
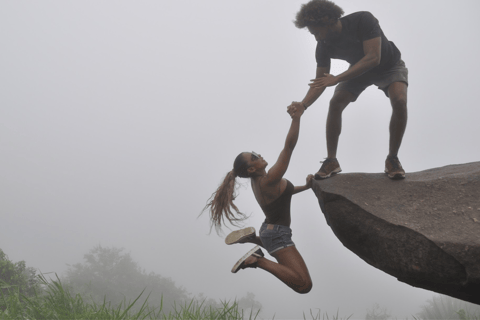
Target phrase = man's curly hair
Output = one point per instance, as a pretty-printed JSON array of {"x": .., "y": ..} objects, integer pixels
[{"x": 318, "y": 13}]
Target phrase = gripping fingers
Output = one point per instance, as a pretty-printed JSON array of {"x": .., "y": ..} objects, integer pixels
[
  {"x": 291, "y": 110},
  {"x": 310, "y": 180}
]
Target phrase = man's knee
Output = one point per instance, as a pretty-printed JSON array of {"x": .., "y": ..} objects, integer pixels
[
  {"x": 399, "y": 103},
  {"x": 398, "y": 95}
]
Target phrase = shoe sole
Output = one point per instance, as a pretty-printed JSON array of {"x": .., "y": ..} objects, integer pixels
[
  {"x": 239, "y": 235},
  {"x": 319, "y": 177},
  {"x": 396, "y": 176},
  {"x": 237, "y": 265}
]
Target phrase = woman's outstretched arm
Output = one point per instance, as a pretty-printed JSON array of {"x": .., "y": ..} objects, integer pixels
[{"x": 275, "y": 174}]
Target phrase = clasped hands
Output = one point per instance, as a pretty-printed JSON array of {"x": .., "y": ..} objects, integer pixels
[
  {"x": 327, "y": 80},
  {"x": 296, "y": 109}
]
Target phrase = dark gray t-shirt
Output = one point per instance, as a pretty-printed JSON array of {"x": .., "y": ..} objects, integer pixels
[{"x": 356, "y": 28}]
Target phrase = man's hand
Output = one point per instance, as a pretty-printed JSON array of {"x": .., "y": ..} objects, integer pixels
[
  {"x": 296, "y": 109},
  {"x": 327, "y": 80}
]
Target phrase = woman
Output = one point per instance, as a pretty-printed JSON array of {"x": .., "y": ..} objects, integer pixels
[{"x": 273, "y": 193}]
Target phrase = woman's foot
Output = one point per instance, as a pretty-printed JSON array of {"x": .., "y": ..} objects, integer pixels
[
  {"x": 240, "y": 236},
  {"x": 249, "y": 260}
]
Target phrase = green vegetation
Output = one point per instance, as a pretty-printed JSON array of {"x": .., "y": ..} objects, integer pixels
[
  {"x": 110, "y": 285},
  {"x": 111, "y": 275},
  {"x": 445, "y": 307},
  {"x": 319, "y": 316},
  {"x": 377, "y": 313},
  {"x": 16, "y": 275},
  {"x": 55, "y": 302}
]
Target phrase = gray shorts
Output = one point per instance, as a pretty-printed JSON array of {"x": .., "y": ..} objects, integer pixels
[
  {"x": 397, "y": 73},
  {"x": 275, "y": 237}
]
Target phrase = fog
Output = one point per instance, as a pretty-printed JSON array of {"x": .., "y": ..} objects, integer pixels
[{"x": 118, "y": 119}]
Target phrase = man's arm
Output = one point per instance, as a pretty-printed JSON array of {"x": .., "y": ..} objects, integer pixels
[
  {"x": 313, "y": 93},
  {"x": 372, "y": 49}
]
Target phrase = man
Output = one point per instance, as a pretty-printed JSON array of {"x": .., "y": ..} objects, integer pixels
[{"x": 358, "y": 39}]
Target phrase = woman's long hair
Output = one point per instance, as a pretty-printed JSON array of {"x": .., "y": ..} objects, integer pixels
[{"x": 220, "y": 204}]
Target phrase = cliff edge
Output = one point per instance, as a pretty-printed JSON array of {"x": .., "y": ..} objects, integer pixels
[{"x": 423, "y": 230}]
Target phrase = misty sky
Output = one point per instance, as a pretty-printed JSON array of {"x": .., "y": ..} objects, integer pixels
[{"x": 118, "y": 119}]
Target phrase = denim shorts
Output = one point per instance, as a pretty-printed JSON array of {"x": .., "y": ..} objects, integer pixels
[
  {"x": 275, "y": 237},
  {"x": 397, "y": 73}
]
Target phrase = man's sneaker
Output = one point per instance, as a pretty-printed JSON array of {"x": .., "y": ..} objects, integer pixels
[
  {"x": 393, "y": 168},
  {"x": 240, "y": 236},
  {"x": 330, "y": 166}
]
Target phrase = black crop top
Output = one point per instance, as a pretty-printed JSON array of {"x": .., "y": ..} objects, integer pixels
[{"x": 278, "y": 211}]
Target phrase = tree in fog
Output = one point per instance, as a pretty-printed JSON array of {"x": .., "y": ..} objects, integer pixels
[
  {"x": 248, "y": 304},
  {"x": 377, "y": 313},
  {"x": 112, "y": 274},
  {"x": 16, "y": 277}
]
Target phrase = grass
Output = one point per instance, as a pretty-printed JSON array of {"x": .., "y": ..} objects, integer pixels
[
  {"x": 55, "y": 302},
  {"x": 319, "y": 316}
]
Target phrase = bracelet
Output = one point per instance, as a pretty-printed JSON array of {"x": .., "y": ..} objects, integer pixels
[{"x": 304, "y": 106}]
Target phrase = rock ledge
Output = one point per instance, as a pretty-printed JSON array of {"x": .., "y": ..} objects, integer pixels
[{"x": 423, "y": 230}]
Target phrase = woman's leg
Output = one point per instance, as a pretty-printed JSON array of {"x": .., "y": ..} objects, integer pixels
[{"x": 290, "y": 269}]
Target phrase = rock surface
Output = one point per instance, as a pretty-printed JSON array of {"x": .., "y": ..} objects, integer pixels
[{"x": 423, "y": 230}]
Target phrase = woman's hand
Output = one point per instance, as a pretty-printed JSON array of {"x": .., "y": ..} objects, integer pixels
[
  {"x": 309, "y": 181},
  {"x": 307, "y": 185}
]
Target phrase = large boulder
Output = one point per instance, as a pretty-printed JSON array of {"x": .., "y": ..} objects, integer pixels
[{"x": 423, "y": 230}]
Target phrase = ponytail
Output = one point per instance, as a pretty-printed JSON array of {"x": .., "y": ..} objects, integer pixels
[{"x": 221, "y": 204}]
